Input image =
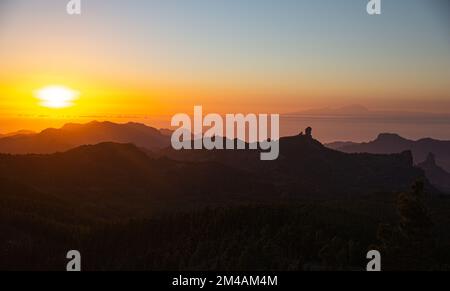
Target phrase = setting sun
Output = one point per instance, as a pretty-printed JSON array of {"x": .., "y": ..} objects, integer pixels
[{"x": 56, "y": 97}]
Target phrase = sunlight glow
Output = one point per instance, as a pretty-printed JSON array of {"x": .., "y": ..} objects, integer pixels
[{"x": 56, "y": 97}]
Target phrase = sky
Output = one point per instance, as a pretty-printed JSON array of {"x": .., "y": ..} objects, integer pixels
[{"x": 150, "y": 59}]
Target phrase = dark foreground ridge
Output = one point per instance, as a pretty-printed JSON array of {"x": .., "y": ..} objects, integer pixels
[{"x": 312, "y": 209}]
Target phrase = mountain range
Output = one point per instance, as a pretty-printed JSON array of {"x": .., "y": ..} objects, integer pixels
[
  {"x": 145, "y": 207},
  {"x": 110, "y": 180},
  {"x": 303, "y": 166},
  {"x": 123, "y": 173},
  {"x": 16, "y": 133},
  {"x": 73, "y": 135},
  {"x": 436, "y": 175},
  {"x": 430, "y": 154},
  {"x": 388, "y": 143}
]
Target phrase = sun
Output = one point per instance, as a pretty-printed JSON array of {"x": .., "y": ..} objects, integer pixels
[{"x": 56, "y": 96}]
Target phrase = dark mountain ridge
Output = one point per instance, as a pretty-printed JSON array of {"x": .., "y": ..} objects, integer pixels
[
  {"x": 74, "y": 135},
  {"x": 387, "y": 143},
  {"x": 123, "y": 178},
  {"x": 112, "y": 179},
  {"x": 130, "y": 210},
  {"x": 437, "y": 175},
  {"x": 305, "y": 166}
]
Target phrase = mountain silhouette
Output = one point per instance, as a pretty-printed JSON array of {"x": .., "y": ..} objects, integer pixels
[
  {"x": 436, "y": 175},
  {"x": 111, "y": 179},
  {"x": 126, "y": 178},
  {"x": 306, "y": 167},
  {"x": 393, "y": 143},
  {"x": 73, "y": 135},
  {"x": 121, "y": 200},
  {"x": 16, "y": 133}
]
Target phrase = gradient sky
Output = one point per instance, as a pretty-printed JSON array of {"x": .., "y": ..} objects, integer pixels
[{"x": 160, "y": 57}]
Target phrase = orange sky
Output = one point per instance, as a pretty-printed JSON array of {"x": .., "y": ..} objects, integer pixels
[{"x": 147, "y": 62}]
